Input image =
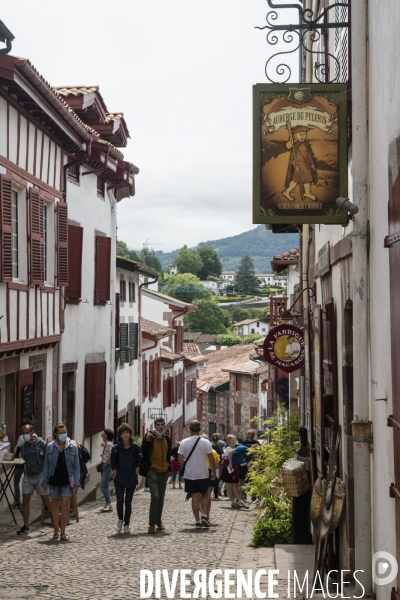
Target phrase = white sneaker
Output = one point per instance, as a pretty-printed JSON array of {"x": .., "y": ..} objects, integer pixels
[
  {"x": 119, "y": 525},
  {"x": 126, "y": 529},
  {"x": 242, "y": 504}
]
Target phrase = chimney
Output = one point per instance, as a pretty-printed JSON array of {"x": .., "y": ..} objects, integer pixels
[{"x": 217, "y": 347}]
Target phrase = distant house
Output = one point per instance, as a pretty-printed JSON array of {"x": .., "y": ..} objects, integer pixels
[
  {"x": 173, "y": 270},
  {"x": 249, "y": 326},
  {"x": 265, "y": 278},
  {"x": 214, "y": 286},
  {"x": 231, "y": 391},
  {"x": 229, "y": 275}
]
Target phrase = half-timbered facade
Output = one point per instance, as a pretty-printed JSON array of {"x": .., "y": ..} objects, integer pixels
[
  {"x": 37, "y": 134},
  {"x": 60, "y": 180}
]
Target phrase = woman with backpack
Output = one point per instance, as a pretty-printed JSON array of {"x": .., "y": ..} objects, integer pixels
[
  {"x": 107, "y": 435},
  {"x": 126, "y": 458}
]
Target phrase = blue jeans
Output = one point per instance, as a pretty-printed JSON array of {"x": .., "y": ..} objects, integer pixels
[
  {"x": 17, "y": 478},
  {"x": 119, "y": 492},
  {"x": 105, "y": 476}
]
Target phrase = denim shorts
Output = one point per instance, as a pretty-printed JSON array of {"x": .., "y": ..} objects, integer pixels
[
  {"x": 32, "y": 483},
  {"x": 59, "y": 491}
]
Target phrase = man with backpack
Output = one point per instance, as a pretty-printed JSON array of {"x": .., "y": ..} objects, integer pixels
[
  {"x": 192, "y": 455},
  {"x": 156, "y": 467},
  {"x": 33, "y": 451}
]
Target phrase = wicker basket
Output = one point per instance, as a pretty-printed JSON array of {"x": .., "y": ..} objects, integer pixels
[
  {"x": 294, "y": 477},
  {"x": 316, "y": 500}
]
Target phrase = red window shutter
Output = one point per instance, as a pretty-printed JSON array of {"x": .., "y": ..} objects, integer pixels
[
  {"x": 6, "y": 228},
  {"x": 36, "y": 232},
  {"x": 238, "y": 414},
  {"x": 75, "y": 241},
  {"x": 95, "y": 397},
  {"x": 171, "y": 381},
  {"x": 146, "y": 378},
  {"x": 151, "y": 379},
  {"x": 62, "y": 244},
  {"x": 165, "y": 393},
  {"x": 155, "y": 377},
  {"x": 103, "y": 268},
  {"x": 159, "y": 376},
  {"x": 117, "y": 322},
  {"x": 253, "y": 412}
]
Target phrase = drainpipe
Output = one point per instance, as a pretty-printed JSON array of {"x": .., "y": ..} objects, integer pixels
[
  {"x": 361, "y": 424},
  {"x": 113, "y": 290},
  {"x": 306, "y": 228}
]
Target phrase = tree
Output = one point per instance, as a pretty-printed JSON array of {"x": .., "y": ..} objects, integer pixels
[
  {"x": 188, "y": 261},
  {"x": 252, "y": 337},
  {"x": 125, "y": 252},
  {"x": 246, "y": 280},
  {"x": 240, "y": 314},
  {"x": 184, "y": 286},
  {"x": 211, "y": 263},
  {"x": 148, "y": 257},
  {"x": 209, "y": 317},
  {"x": 122, "y": 249},
  {"x": 229, "y": 340}
]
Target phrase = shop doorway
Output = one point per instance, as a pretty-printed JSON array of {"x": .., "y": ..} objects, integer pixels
[{"x": 39, "y": 403}]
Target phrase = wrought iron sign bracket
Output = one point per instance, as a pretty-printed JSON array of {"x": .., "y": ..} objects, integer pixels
[
  {"x": 308, "y": 29},
  {"x": 288, "y": 313}
]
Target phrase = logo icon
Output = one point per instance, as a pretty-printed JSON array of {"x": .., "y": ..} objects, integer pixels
[{"x": 384, "y": 568}]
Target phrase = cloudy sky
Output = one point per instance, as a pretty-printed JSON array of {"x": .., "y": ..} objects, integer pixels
[{"x": 182, "y": 72}]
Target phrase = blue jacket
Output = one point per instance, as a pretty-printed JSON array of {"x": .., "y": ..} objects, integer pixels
[
  {"x": 125, "y": 461},
  {"x": 71, "y": 458}
]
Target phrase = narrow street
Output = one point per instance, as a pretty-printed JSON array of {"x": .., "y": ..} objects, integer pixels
[{"x": 99, "y": 564}]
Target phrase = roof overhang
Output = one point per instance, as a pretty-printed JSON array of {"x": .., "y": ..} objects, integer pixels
[
  {"x": 33, "y": 93},
  {"x": 135, "y": 267},
  {"x": 281, "y": 265}
]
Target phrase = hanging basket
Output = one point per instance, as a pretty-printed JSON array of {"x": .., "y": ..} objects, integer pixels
[
  {"x": 294, "y": 477},
  {"x": 316, "y": 500}
]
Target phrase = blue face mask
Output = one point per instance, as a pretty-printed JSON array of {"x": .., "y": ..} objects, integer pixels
[
  {"x": 27, "y": 437},
  {"x": 62, "y": 437}
]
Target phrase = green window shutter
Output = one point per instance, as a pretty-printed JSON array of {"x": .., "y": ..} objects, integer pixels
[
  {"x": 133, "y": 339},
  {"x": 124, "y": 342},
  {"x": 122, "y": 290},
  {"x": 133, "y": 292}
]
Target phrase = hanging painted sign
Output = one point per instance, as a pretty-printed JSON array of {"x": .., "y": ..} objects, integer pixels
[
  {"x": 284, "y": 348},
  {"x": 300, "y": 153}
]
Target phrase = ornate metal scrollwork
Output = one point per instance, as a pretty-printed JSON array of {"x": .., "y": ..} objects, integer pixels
[{"x": 310, "y": 32}]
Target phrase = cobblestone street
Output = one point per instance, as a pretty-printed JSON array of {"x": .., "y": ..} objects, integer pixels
[{"x": 100, "y": 564}]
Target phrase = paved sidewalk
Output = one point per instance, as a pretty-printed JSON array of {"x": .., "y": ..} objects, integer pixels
[{"x": 100, "y": 564}]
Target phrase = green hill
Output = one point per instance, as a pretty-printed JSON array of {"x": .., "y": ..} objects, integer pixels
[{"x": 260, "y": 243}]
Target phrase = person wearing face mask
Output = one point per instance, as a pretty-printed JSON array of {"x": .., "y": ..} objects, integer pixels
[
  {"x": 125, "y": 460},
  {"x": 61, "y": 472},
  {"x": 156, "y": 467},
  {"x": 33, "y": 451}
]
